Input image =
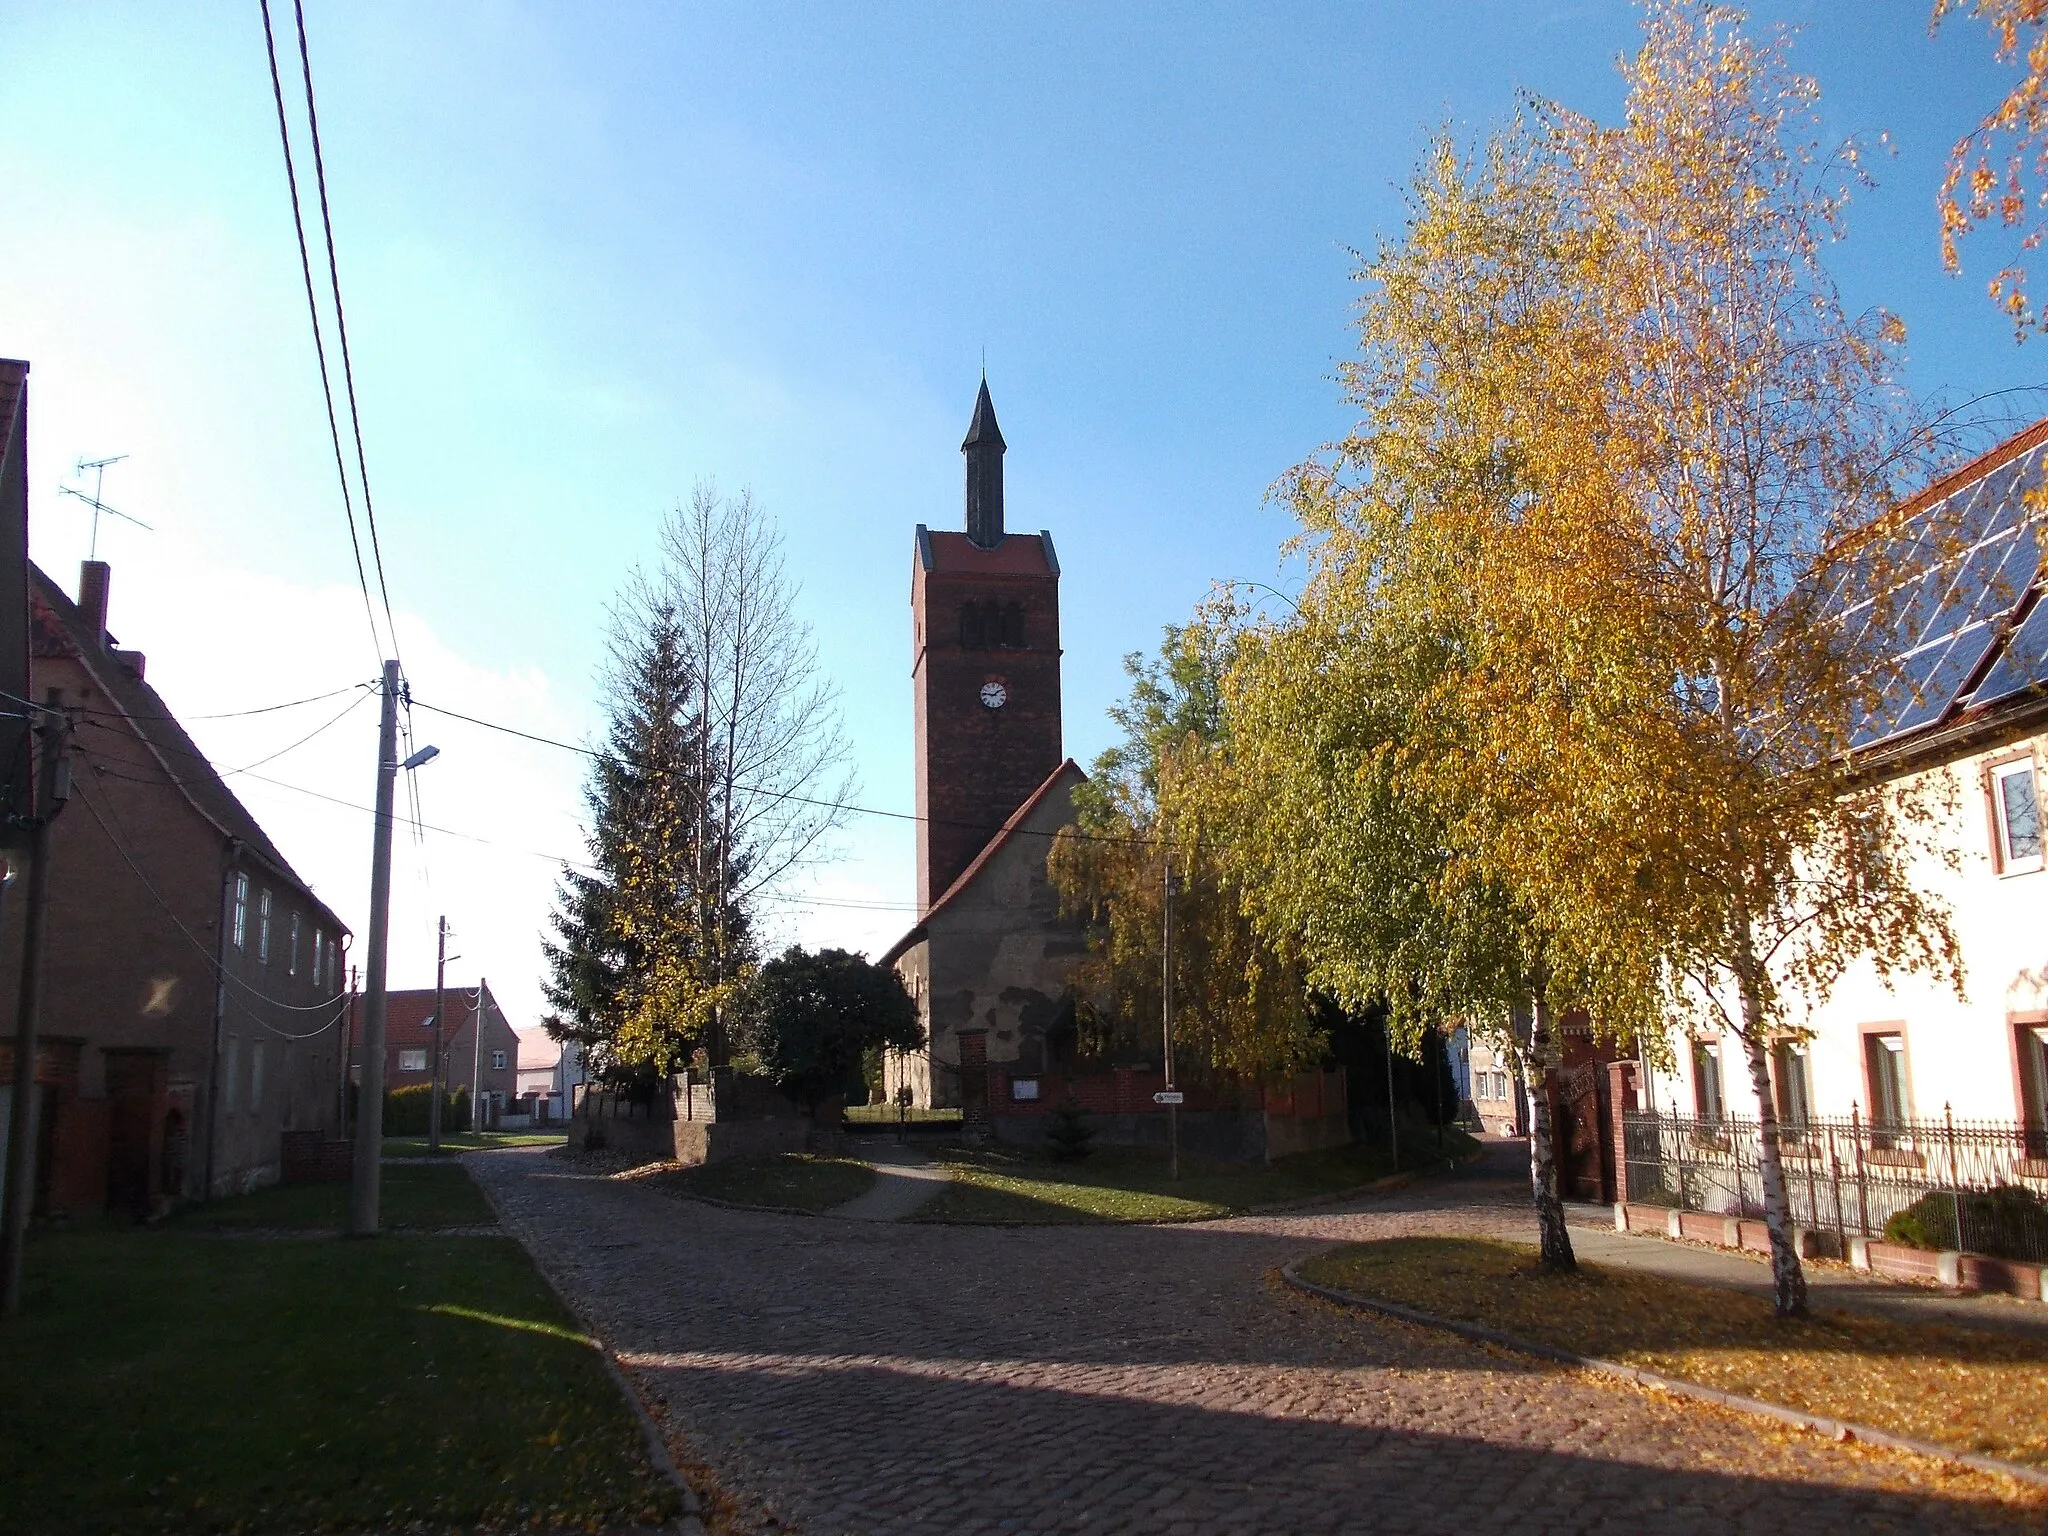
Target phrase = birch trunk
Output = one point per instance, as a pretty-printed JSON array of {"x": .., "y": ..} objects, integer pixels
[
  {"x": 1788, "y": 1277},
  {"x": 1541, "y": 1060}
]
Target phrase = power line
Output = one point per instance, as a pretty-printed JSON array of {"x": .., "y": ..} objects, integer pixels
[
  {"x": 793, "y": 797},
  {"x": 120, "y": 843},
  {"x": 102, "y": 724},
  {"x": 348, "y": 374},
  {"x": 319, "y": 343}
]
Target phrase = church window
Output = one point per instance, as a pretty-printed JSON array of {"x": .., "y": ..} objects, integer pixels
[{"x": 987, "y": 626}]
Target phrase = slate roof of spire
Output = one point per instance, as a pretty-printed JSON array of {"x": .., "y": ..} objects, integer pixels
[{"x": 983, "y": 429}]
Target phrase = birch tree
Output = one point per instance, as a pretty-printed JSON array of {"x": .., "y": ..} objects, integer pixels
[
  {"x": 769, "y": 740},
  {"x": 1148, "y": 815},
  {"x": 1995, "y": 172}
]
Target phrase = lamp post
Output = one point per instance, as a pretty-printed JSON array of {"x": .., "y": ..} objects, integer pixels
[{"x": 365, "y": 1191}]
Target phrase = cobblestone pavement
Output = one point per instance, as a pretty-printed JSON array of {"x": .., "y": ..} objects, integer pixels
[{"x": 839, "y": 1377}]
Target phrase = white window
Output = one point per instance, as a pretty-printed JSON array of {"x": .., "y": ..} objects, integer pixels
[
  {"x": 1706, "y": 1079},
  {"x": 497, "y": 1061},
  {"x": 1884, "y": 1059},
  {"x": 255, "y": 1075},
  {"x": 2016, "y": 808},
  {"x": 412, "y": 1061},
  {"x": 263, "y": 927},
  {"x": 231, "y": 1073},
  {"x": 319, "y": 959},
  {"x": 1790, "y": 1074},
  {"x": 291, "y": 965},
  {"x": 241, "y": 918}
]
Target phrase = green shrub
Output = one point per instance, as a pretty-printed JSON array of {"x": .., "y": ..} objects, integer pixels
[
  {"x": 1067, "y": 1134},
  {"x": 2008, "y": 1222},
  {"x": 406, "y": 1110}
]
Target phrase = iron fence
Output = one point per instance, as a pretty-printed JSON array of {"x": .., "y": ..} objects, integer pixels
[{"x": 1973, "y": 1185}]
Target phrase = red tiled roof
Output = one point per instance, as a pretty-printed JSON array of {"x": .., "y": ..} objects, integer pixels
[
  {"x": 1020, "y": 554},
  {"x": 407, "y": 1013},
  {"x": 981, "y": 860}
]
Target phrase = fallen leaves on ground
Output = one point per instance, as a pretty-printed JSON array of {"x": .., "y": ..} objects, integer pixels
[{"x": 1969, "y": 1389}]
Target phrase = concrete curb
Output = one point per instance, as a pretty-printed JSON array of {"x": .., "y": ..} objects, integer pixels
[
  {"x": 1839, "y": 1429},
  {"x": 691, "y": 1521}
]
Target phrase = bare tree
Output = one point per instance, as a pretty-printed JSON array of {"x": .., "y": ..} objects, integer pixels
[{"x": 771, "y": 745}]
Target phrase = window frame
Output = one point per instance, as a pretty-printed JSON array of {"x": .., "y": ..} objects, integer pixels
[
  {"x": 1792, "y": 1080},
  {"x": 1886, "y": 1135},
  {"x": 498, "y": 1059},
  {"x": 265, "y": 906},
  {"x": 291, "y": 963},
  {"x": 1706, "y": 1052},
  {"x": 238, "y": 921},
  {"x": 1996, "y": 772},
  {"x": 2029, "y": 1039},
  {"x": 407, "y": 1057}
]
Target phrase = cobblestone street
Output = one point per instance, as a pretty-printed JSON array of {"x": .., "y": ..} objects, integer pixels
[{"x": 841, "y": 1376}]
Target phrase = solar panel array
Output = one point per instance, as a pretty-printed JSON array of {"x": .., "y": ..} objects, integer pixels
[{"x": 1955, "y": 611}]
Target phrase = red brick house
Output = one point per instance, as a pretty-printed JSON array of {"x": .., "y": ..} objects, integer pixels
[
  {"x": 409, "y": 1043},
  {"x": 194, "y": 983}
]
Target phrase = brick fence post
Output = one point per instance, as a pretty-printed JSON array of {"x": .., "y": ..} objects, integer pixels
[
  {"x": 1621, "y": 1102},
  {"x": 974, "y": 1084}
]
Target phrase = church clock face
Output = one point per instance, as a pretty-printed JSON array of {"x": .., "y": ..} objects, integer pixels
[{"x": 994, "y": 695}]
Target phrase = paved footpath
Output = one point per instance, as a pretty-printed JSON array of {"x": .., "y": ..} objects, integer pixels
[{"x": 903, "y": 1380}]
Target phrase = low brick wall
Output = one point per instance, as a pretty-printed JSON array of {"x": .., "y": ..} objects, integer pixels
[
  {"x": 1895, "y": 1261},
  {"x": 715, "y": 1141},
  {"x": 314, "y": 1157}
]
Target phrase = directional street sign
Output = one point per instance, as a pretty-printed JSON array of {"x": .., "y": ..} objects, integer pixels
[{"x": 1169, "y": 1098}]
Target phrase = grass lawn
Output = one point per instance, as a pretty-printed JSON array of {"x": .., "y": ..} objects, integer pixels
[
  {"x": 175, "y": 1381},
  {"x": 886, "y": 1115},
  {"x": 1008, "y": 1184},
  {"x": 453, "y": 1142},
  {"x": 1961, "y": 1387},
  {"x": 415, "y": 1195},
  {"x": 797, "y": 1181}
]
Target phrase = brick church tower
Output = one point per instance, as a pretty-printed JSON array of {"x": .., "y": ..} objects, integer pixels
[{"x": 985, "y": 669}]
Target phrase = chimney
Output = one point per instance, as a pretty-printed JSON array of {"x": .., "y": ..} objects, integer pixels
[{"x": 93, "y": 576}]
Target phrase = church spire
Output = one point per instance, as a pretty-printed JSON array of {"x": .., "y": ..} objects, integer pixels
[{"x": 984, "y": 448}]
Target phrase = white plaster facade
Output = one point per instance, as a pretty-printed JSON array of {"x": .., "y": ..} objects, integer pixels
[{"x": 1966, "y": 1056}]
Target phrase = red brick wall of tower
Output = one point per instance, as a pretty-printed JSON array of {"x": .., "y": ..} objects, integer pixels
[{"x": 977, "y": 764}]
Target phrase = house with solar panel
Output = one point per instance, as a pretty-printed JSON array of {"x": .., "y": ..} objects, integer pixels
[{"x": 1908, "y": 1063}]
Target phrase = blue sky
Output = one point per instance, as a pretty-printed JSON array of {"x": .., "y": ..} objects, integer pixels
[{"x": 595, "y": 253}]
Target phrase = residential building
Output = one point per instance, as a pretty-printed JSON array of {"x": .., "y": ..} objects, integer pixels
[
  {"x": 549, "y": 1072},
  {"x": 491, "y": 1072},
  {"x": 193, "y": 981},
  {"x": 1974, "y": 732}
]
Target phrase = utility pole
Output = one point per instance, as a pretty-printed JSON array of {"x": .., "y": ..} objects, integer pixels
[
  {"x": 1166, "y": 1014},
  {"x": 476, "y": 1065},
  {"x": 364, "y": 1191},
  {"x": 434, "y": 1068},
  {"x": 348, "y": 1047},
  {"x": 53, "y": 788}
]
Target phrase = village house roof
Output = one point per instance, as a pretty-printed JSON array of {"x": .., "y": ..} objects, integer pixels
[
  {"x": 1973, "y": 662},
  {"x": 60, "y": 628},
  {"x": 1068, "y": 772},
  {"x": 411, "y": 1012},
  {"x": 538, "y": 1052}
]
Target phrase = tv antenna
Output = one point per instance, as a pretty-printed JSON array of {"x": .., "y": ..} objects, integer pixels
[{"x": 99, "y": 475}]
